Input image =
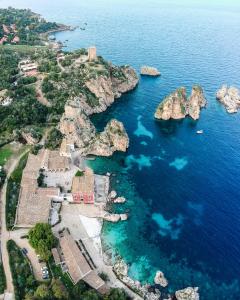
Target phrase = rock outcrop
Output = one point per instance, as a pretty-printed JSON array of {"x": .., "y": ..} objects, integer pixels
[
  {"x": 76, "y": 126},
  {"x": 178, "y": 106},
  {"x": 108, "y": 88},
  {"x": 150, "y": 71},
  {"x": 160, "y": 279},
  {"x": 188, "y": 293},
  {"x": 113, "y": 138},
  {"x": 230, "y": 98},
  {"x": 121, "y": 270}
]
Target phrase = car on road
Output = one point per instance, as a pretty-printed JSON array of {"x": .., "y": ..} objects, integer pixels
[{"x": 24, "y": 251}]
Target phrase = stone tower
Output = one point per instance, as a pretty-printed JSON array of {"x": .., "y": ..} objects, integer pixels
[{"x": 92, "y": 53}]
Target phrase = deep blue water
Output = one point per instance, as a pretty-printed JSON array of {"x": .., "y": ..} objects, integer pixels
[{"x": 182, "y": 188}]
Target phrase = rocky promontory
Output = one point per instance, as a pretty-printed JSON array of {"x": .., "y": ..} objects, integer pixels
[
  {"x": 76, "y": 127},
  {"x": 229, "y": 97},
  {"x": 113, "y": 138},
  {"x": 178, "y": 106},
  {"x": 188, "y": 293},
  {"x": 104, "y": 86},
  {"x": 149, "y": 71}
]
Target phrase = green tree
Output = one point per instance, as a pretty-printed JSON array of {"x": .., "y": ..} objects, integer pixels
[
  {"x": 42, "y": 292},
  {"x": 42, "y": 239},
  {"x": 117, "y": 294},
  {"x": 59, "y": 290},
  {"x": 91, "y": 295}
]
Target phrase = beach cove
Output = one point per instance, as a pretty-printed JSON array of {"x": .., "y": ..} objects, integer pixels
[{"x": 181, "y": 188}]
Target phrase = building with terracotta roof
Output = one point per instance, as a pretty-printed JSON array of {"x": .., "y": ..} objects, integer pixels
[
  {"x": 34, "y": 202},
  {"x": 83, "y": 187}
]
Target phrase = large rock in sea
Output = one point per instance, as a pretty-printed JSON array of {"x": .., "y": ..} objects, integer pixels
[
  {"x": 178, "y": 106},
  {"x": 229, "y": 97},
  {"x": 149, "y": 71},
  {"x": 188, "y": 293},
  {"x": 160, "y": 279}
]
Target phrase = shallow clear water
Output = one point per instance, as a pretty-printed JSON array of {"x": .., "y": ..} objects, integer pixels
[{"x": 182, "y": 188}]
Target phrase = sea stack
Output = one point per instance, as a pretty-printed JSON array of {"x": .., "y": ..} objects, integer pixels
[
  {"x": 177, "y": 106},
  {"x": 229, "y": 97},
  {"x": 149, "y": 71}
]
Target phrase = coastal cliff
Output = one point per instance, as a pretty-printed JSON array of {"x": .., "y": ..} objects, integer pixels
[
  {"x": 229, "y": 97},
  {"x": 178, "y": 106},
  {"x": 107, "y": 88},
  {"x": 76, "y": 127}
]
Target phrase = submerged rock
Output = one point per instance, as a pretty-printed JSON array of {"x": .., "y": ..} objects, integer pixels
[
  {"x": 229, "y": 97},
  {"x": 178, "y": 106},
  {"x": 150, "y": 71},
  {"x": 160, "y": 279},
  {"x": 188, "y": 293}
]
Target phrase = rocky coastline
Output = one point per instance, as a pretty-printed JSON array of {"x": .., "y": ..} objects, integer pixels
[
  {"x": 152, "y": 292},
  {"x": 229, "y": 97},
  {"x": 178, "y": 106}
]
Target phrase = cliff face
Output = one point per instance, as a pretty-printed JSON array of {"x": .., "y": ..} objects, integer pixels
[
  {"x": 178, "y": 106},
  {"x": 101, "y": 83},
  {"x": 76, "y": 126},
  {"x": 107, "y": 88},
  {"x": 113, "y": 138},
  {"x": 230, "y": 98}
]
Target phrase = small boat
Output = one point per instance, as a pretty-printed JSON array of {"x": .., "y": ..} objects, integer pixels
[{"x": 200, "y": 132}]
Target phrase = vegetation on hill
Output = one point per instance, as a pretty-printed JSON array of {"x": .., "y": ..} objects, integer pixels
[
  {"x": 2, "y": 176},
  {"x": 24, "y": 24},
  {"x": 13, "y": 188},
  {"x": 54, "y": 139},
  {"x": 42, "y": 240},
  {"x": 2, "y": 279}
]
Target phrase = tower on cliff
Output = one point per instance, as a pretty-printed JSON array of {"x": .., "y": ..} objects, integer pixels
[{"x": 92, "y": 53}]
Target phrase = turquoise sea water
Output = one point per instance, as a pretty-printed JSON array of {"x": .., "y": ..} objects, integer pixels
[{"x": 182, "y": 188}]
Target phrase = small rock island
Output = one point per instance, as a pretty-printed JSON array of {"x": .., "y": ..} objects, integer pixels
[
  {"x": 229, "y": 97},
  {"x": 178, "y": 106},
  {"x": 149, "y": 71}
]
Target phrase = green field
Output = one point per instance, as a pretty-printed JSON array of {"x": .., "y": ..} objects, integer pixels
[
  {"x": 25, "y": 49},
  {"x": 5, "y": 153}
]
